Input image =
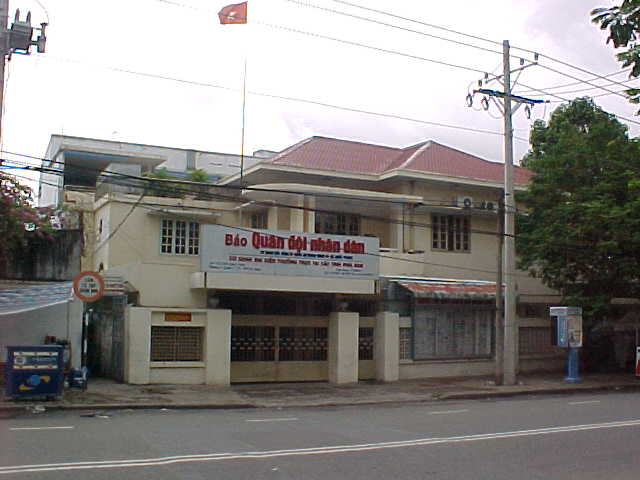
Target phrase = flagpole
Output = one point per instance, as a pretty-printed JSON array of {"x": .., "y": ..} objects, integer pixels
[{"x": 244, "y": 108}]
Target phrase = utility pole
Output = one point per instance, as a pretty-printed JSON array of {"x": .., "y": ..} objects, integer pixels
[
  {"x": 506, "y": 321},
  {"x": 17, "y": 39},
  {"x": 499, "y": 320},
  {"x": 4, "y": 51},
  {"x": 510, "y": 322}
]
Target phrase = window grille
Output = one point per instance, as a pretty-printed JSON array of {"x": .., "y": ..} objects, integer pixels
[
  {"x": 176, "y": 344},
  {"x": 180, "y": 237},
  {"x": 450, "y": 233},
  {"x": 405, "y": 344},
  {"x": 302, "y": 344},
  {"x": 452, "y": 333},
  {"x": 365, "y": 343},
  {"x": 535, "y": 340},
  {"x": 253, "y": 344}
]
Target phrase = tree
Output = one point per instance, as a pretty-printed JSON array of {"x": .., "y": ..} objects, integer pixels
[
  {"x": 581, "y": 230},
  {"x": 623, "y": 23},
  {"x": 18, "y": 217}
]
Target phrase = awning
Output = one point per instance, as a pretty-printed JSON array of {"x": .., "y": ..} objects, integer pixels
[
  {"x": 16, "y": 297},
  {"x": 450, "y": 290}
]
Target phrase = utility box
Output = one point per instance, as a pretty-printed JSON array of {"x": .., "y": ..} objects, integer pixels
[{"x": 34, "y": 371}]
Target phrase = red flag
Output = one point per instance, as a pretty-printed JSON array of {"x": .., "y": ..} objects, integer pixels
[{"x": 236, "y": 13}]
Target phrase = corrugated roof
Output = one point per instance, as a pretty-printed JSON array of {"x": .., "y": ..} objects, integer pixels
[
  {"x": 450, "y": 290},
  {"x": 337, "y": 155},
  {"x": 30, "y": 296}
]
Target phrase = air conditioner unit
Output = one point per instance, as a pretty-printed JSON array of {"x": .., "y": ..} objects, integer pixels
[
  {"x": 464, "y": 202},
  {"x": 488, "y": 205}
]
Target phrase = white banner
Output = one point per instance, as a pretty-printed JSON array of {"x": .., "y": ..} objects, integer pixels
[{"x": 266, "y": 252}]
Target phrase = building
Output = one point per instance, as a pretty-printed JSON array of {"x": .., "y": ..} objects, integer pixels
[{"x": 331, "y": 260}]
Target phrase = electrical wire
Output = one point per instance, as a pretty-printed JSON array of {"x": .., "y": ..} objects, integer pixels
[
  {"x": 377, "y": 22},
  {"x": 583, "y": 70},
  {"x": 289, "y": 99},
  {"x": 177, "y": 189},
  {"x": 429, "y": 202},
  {"x": 570, "y": 84},
  {"x": 153, "y": 207}
]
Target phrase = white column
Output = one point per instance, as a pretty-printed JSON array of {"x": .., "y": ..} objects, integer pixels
[
  {"x": 310, "y": 215},
  {"x": 137, "y": 345},
  {"x": 343, "y": 347},
  {"x": 296, "y": 216},
  {"x": 218, "y": 348},
  {"x": 387, "y": 346}
]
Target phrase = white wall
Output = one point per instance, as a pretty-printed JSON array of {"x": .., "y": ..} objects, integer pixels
[{"x": 63, "y": 320}]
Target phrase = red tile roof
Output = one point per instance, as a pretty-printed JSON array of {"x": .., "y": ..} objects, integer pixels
[{"x": 321, "y": 153}]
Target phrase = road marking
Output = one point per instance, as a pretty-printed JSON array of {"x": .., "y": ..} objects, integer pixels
[
  {"x": 288, "y": 419},
  {"x": 214, "y": 457},
  {"x": 585, "y": 402},
  {"x": 447, "y": 412},
  {"x": 40, "y": 428}
]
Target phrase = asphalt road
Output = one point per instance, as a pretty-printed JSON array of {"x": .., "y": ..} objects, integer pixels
[{"x": 561, "y": 437}]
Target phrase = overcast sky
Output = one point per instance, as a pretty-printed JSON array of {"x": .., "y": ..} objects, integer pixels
[{"x": 80, "y": 87}]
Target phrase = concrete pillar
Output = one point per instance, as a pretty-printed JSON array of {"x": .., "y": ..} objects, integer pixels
[
  {"x": 297, "y": 215},
  {"x": 310, "y": 215},
  {"x": 137, "y": 345},
  {"x": 397, "y": 230},
  {"x": 218, "y": 347},
  {"x": 387, "y": 346},
  {"x": 272, "y": 218},
  {"x": 343, "y": 347}
]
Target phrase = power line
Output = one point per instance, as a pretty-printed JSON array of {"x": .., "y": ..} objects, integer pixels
[
  {"x": 174, "y": 189},
  {"x": 377, "y": 22},
  {"x": 426, "y": 201},
  {"x": 579, "y": 90},
  {"x": 597, "y": 76},
  {"x": 567, "y": 100},
  {"x": 570, "y": 84},
  {"x": 412, "y": 20},
  {"x": 287, "y": 98}
]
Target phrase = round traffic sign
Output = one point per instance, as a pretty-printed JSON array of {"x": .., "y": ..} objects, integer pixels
[{"x": 88, "y": 286}]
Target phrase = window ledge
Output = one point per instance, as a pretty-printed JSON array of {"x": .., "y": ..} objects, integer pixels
[
  {"x": 448, "y": 360},
  {"x": 176, "y": 364}
]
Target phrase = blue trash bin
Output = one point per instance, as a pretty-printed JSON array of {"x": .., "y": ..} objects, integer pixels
[{"x": 34, "y": 371}]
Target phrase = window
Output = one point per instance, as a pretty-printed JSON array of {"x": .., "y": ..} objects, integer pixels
[
  {"x": 339, "y": 224},
  {"x": 176, "y": 344},
  {"x": 441, "y": 333},
  {"x": 253, "y": 344},
  {"x": 535, "y": 340},
  {"x": 365, "y": 344},
  {"x": 405, "y": 344},
  {"x": 450, "y": 233},
  {"x": 180, "y": 237},
  {"x": 259, "y": 220}
]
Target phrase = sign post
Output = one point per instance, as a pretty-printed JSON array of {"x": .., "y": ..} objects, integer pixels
[
  {"x": 569, "y": 335},
  {"x": 88, "y": 287}
]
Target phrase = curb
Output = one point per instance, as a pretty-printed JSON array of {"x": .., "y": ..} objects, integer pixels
[
  {"x": 238, "y": 406},
  {"x": 129, "y": 406},
  {"x": 542, "y": 391}
]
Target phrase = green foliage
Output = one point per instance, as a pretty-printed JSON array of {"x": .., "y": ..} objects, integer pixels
[
  {"x": 581, "y": 232},
  {"x": 162, "y": 189},
  {"x": 17, "y": 213},
  {"x": 623, "y": 23},
  {"x": 200, "y": 176}
]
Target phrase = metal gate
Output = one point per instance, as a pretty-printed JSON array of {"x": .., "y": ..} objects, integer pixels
[{"x": 279, "y": 351}]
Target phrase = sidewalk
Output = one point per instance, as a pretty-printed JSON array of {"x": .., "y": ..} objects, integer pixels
[{"x": 104, "y": 394}]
